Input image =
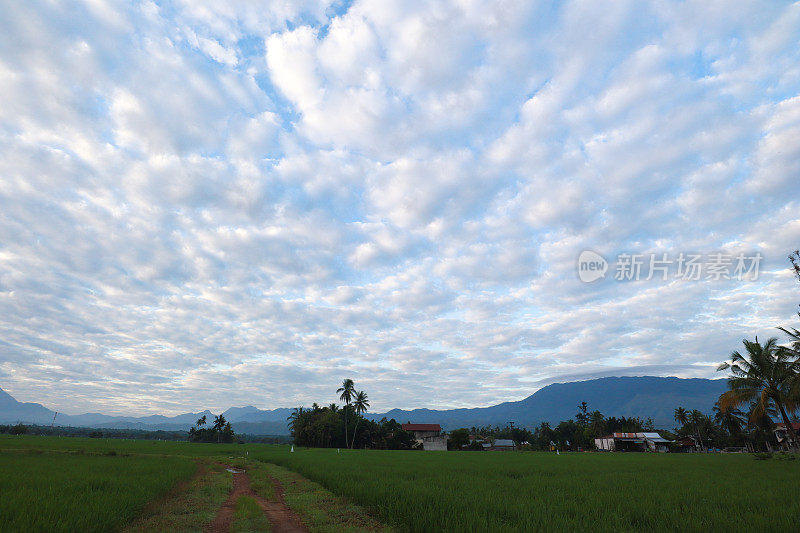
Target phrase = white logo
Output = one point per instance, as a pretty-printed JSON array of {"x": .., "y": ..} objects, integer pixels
[{"x": 591, "y": 266}]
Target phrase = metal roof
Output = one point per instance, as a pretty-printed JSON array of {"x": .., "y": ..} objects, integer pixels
[{"x": 504, "y": 442}]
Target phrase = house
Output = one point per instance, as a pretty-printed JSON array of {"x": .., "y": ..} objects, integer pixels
[
  {"x": 500, "y": 445},
  {"x": 429, "y": 435},
  {"x": 781, "y": 434},
  {"x": 632, "y": 442},
  {"x": 686, "y": 444}
]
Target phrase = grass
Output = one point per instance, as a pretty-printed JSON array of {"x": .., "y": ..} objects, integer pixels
[
  {"x": 81, "y": 492},
  {"x": 483, "y": 491},
  {"x": 190, "y": 507},
  {"x": 249, "y": 517},
  {"x": 321, "y": 510},
  {"x": 70, "y": 484},
  {"x": 121, "y": 446}
]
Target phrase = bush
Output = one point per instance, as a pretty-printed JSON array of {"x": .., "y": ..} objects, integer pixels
[{"x": 762, "y": 456}]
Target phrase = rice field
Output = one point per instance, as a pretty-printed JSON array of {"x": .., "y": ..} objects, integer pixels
[
  {"x": 68, "y": 484},
  {"x": 81, "y": 492},
  {"x": 535, "y": 491}
]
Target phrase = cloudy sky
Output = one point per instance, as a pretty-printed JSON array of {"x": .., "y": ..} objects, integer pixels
[{"x": 209, "y": 204}]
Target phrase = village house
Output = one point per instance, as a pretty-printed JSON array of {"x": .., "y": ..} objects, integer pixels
[
  {"x": 632, "y": 442},
  {"x": 429, "y": 435},
  {"x": 781, "y": 434}
]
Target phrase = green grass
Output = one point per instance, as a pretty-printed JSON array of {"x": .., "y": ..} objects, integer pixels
[
  {"x": 71, "y": 484},
  {"x": 248, "y": 517},
  {"x": 485, "y": 491},
  {"x": 187, "y": 508},
  {"x": 321, "y": 510},
  {"x": 81, "y": 492},
  {"x": 121, "y": 446}
]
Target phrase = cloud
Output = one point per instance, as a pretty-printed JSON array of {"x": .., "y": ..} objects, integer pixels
[{"x": 205, "y": 205}]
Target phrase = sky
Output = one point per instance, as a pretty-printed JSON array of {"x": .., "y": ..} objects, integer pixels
[{"x": 215, "y": 204}]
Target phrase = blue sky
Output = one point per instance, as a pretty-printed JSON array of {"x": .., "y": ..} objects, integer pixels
[{"x": 209, "y": 204}]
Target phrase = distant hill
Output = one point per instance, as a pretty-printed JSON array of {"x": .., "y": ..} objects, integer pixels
[{"x": 652, "y": 397}]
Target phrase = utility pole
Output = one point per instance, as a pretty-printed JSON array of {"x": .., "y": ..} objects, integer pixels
[{"x": 53, "y": 423}]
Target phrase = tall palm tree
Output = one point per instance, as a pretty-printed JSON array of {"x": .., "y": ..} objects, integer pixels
[
  {"x": 361, "y": 405},
  {"x": 764, "y": 374},
  {"x": 681, "y": 416},
  {"x": 346, "y": 391},
  {"x": 294, "y": 418},
  {"x": 698, "y": 419}
]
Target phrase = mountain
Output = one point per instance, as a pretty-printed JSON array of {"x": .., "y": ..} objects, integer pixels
[{"x": 645, "y": 397}]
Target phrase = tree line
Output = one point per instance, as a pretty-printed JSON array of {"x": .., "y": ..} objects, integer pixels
[
  {"x": 333, "y": 426},
  {"x": 219, "y": 431}
]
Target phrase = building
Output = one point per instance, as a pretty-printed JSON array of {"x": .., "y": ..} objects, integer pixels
[
  {"x": 632, "y": 442},
  {"x": 429, "y": 435},
  {"x": 782, "y": 435},
  {"x": 500, "y": 445}
]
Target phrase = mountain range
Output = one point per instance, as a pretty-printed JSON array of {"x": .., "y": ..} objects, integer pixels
[{"x": 644, "y": 397}]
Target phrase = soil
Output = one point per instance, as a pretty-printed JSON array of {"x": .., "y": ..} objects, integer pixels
[{"x": 282, "y": 519}]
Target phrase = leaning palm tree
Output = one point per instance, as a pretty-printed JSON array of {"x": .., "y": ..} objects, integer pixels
[
  {"x": 765, "y": 375},
  {"x": 347, "y": 391},
  {"x": 794, "y": 350},
  {"x": 361, "y": 404}
]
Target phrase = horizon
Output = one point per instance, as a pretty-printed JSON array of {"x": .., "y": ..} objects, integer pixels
[
  {"x": 450, "y": 203},
  {"x": 371, "y": 412}
]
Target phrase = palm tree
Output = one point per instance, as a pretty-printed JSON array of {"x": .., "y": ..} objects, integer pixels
[
  {"x": 731, "y": 420},
  {"x": 766, "y": 375},
  {"x": 346, "y": 391},
  {"x": 794, "y": 350},
  {"x": 681, "y": 416},
  {"x": 294, "y": 418},
  {"x": 201, "y": 421},
  {"x": 361, "y": 404}
]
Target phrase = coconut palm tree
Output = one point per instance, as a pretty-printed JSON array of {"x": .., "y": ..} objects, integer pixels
[
  {"x": 764, "y": 374},
  {"x": 346, "y": 391},
  {"x": 698, "y": 420},
  {"x": 294, "y": 418},
  {"x": 731, "y": 420},
  {"x": 794, "y": 350},
  {"x": 361, "y": 404},
  {"x": 681, "y": 416}
]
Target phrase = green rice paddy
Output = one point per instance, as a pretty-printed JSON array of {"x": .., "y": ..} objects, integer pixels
[{"x": 66, "y": 484}]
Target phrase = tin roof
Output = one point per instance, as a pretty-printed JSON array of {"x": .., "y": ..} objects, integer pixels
[{"x": 649, "y": 435}]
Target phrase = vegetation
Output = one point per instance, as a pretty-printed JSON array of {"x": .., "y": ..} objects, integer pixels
[
  {"x": 323, "y": 427},
  {"x": 189, "y": 506},
  {"x": 765, "y": 377},
  {"x": 220, "y": 431},
  {"x": 321, "y": 510},
  {"x": 547, "y": 492},
  {"x": 79, "y": 491},
  {"x": 326, "y": 427},
  {"x": 249, "y": 517}
]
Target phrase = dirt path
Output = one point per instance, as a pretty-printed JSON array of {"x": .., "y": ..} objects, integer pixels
[{"x": 282, "y": 519}]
